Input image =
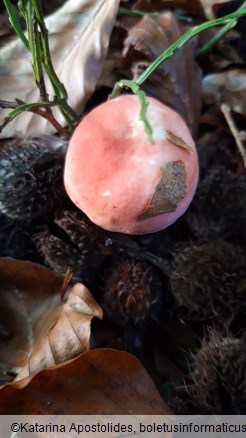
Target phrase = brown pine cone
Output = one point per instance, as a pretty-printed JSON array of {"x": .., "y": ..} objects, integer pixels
[
  {"x": 70, "y": 248},
  {"x": 210, "y": 281},
  {"x": 219, "y": 376},
  {"x": 57, "y": 254},
  {"x": 31, "y": 175},
  {"x": 218, "y": 208},
  {"x": 131, "y": 292}
]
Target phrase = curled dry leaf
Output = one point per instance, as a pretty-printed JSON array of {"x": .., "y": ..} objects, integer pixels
[
  {"x": 173, "y": 85},
  {"x": 37, "y": 328},
  {"x": 78, "y": 34},
  {"x": 102, "y": 381},
  {"x": 30, "y": 305},
  {"x": 226, "y": 87},
  {"x": 69, "y": 337}
]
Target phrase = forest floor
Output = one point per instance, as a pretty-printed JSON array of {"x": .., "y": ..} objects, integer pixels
[{"x": 151, "y": 324}]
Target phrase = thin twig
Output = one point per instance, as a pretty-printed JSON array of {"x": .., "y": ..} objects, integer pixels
[
  {"x": 4, "y": 104},
  {"x": 46, "y": 113},
  {"x": 226, "y": 110}
]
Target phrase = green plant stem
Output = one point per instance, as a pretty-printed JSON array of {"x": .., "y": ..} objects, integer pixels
[
  {"x": 27, "y": 106},
  {"x": 184, "y": 39},
  {"x": 59, "y": 89},
  {"x": 136, "y": 13},
  {"x": 42, "y": 109},
  {"x": 34, "y": 43},
  {"x": 144, "y": 106},
  {"x": 38, "y": 44},
  {"x": 210, "y": 44},
  {"x": 135, "y": 85},
  {"x": 15, "y": 23},
  {"x": 175, "y": 46}
]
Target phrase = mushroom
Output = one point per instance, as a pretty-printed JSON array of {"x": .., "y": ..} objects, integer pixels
[{"x": 122, "y": 181}]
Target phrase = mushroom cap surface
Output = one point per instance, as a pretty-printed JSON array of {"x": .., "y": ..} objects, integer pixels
[{"x": 120, "y": 180}]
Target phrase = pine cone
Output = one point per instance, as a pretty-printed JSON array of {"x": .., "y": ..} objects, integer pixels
[
  {"x": 219, "y": 376},
  {"x": 70, "y": 248},
  {"x": 131, "y": 292},
  {"x": 210, "y": 280},
  {"x": 31, "y": 176},
  {"x": 218, "y": 208}
]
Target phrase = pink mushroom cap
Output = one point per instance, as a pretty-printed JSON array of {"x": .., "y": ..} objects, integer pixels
[{"x": 122, "y": 181}]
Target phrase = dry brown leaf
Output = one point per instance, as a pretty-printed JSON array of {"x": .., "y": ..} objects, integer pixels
[
  {"x": 209, "y": 5},
  {"x": 37, "y": 328},
  {"x": 226, "y": 87},
  {"x": 177, "y": 81},
  {"x": 78, "y": 34},
  {"x": 69, "y": 337},
  {"x": 5, "y": 27},
  {"x": 227, "y": 52},
  {"x": 30, "y": 304},
  {"x": 194, "y": 7},
  {"x": 100, "y": 381}
]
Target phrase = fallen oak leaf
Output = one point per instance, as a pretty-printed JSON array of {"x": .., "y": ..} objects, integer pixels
[
  {"x": 69, "y": 337},
  {"x": 31, "y": 301},
  {"x": 103, "y": 381},
  {"x": 37, "y": 329}
]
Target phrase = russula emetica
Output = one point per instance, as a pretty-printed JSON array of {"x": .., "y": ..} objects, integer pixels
[{"x": 122, "y": 181}]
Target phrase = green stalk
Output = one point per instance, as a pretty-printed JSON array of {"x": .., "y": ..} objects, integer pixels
[
  {"x": 135, "y": 85},
  {"x": 184, "y": 39},
  {"x": 210, "y": 44},
  {"x": 28, "y": 106},
  {"x": 38, "y": 44},
  {"x": 33, "y": 42},
  {"x": 136, "y": 13},
  {"x": 59, "y": 89},
  {"x": 42, "y": 109},
  {"x": 15, "y": 23}
]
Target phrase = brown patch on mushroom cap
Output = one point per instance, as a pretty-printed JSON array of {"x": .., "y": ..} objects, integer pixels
[
  {"x": 178, "y": 141},
  {"x": 169, "y": 190}
]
